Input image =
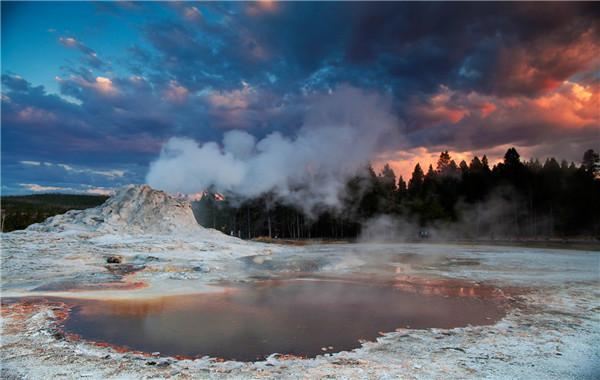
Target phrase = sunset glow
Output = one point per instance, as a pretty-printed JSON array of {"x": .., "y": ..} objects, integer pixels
[{"x": 472, "y": 80}]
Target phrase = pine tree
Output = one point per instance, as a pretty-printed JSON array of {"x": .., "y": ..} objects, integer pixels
[
  {"x": 443, "y": 163},
  {"x": 415, "y": 183},
  {"x": 591, "y": 162},
  {"x": 401, "y": 191}
]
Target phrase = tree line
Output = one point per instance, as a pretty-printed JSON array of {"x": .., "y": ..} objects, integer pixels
[
  {"x": 512, "y": 199},
  {"x": 17, "y": 212}
]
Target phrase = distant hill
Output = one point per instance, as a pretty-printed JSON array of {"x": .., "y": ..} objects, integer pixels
[{"x": 20, "y": 211}]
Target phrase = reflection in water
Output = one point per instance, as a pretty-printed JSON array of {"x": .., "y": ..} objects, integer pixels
[
  {"x": 297, "y": 317},
  {"x": 444, "y": 287}
]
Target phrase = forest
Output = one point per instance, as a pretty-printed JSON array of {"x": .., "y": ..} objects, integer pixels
[
  {"x": 514, "y": 199},
  {"x": 18, "y": 211}
]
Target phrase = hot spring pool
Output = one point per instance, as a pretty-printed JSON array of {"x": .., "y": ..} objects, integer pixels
[{"x": 251, "y": 321}]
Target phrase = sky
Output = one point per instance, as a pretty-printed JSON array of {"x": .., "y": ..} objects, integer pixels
[{"x": 92, "y": 91}]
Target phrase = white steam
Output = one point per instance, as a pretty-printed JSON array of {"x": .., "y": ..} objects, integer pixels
[{"x": 341, "y": 133}]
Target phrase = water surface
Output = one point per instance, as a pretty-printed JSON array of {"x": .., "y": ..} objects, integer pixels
[{"x": 250, "y": 322}]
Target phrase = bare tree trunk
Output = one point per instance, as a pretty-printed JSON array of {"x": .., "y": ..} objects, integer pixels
[
  {"x": 477, "y": 222},
  {"x": 214, "y": 216},
  {"x": 551, "y": 220},
  {"x": 269, "y": 222},
  {"x": 516, "y": 220},
  {"x": 248, "y": 214}
]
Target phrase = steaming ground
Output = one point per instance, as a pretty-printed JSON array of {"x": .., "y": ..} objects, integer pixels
[{"x": 552, "y": 330}]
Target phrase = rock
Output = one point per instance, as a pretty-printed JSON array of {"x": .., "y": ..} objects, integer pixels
[
  {"x": 57, "y": 334},
  {"x": 346, "y": 361},
  {"x": 113, "y": 259},
  {"x": 124, "y": 269}
]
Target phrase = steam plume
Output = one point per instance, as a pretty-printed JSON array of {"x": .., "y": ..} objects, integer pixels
[{"x": 341, "y": 133}]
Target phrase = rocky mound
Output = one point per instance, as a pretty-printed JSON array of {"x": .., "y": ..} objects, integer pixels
[{"x": 134, "y": 209}]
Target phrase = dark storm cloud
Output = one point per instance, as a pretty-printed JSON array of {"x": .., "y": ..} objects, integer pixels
[
  {"x": 38, "y": 124},
  {"x": 506, "y": 49},
  {"x": 462, "y": 76}
]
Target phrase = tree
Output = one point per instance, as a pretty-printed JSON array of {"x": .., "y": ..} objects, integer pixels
[
  {"x": 387, "y": 178},
  {"x": 475, "y": 165},
  {"x": 370, "y": 199},
  {"x": 429, "y": 183},
  {"x": 443, "y": 163},
  {"x": 512, "y": 158},
  {"x": 416, "y": 182},
  {"x": 387, "y": 190},
  {"x": 401, "y": 192},
  {"x": 484, "y": 163},
  {"x": 591, "y": 163},
  {"x": 550, "y": 199}
]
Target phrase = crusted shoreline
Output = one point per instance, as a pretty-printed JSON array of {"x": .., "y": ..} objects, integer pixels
[{"x": 550, "y": 333}]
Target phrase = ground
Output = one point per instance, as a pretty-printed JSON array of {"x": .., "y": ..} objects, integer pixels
[{"x": 551, "y": 330}]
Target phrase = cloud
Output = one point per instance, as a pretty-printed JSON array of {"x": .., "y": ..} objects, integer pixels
[
  {"x": 192, "y": 14},
  {"x": 256, "y": 8},
  {"x": 561, "y": 123},
  {"x": 541, "y": 65},
  {"x": 176, "y": 93},
  {"x": 37, "y": 188},
  {"x": 229, "y": 100},
  {"x": 15, "y": 82},
  {"x": 100, "y": 191},
  {"x": 106, "y": 173},
  {"x": 464, "y": 78},
  {"x": 111, "y": 174},
  {"x": 471, "y": 120},
  {"x": 110, "y": 116},
  {"x": 90, "y": 56},
  {"x": 26, "y": 162},
  {"x": 100, "y": 85},
  {"x": 35, "y": 115},
  {"x": 83, "y": 189}
]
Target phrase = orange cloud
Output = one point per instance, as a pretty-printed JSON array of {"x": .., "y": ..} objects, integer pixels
[
  {"x": 440, "y": 108},
  {"x": 542, "y": 67},
  {"x": 572, "y": 105},
  {"x": 261, "y": 6},
  {"x": 176, "y": 93},
  {"x": 100, "y": 85},
  {"x": 235, "y": 99},
  {"x": 105, "y": 86}
]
